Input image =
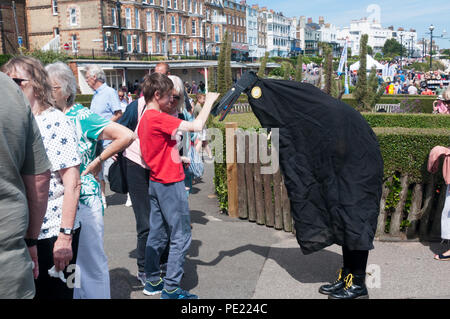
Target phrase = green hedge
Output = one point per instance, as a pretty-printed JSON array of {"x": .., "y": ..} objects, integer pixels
[
  {"x": 425, "y": 104},
  {"x": 407, "y": 120},
  {"x": 404, "y": 149}
]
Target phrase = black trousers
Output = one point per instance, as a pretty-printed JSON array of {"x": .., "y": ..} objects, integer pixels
[
  {"x": 355, "y": 260},
  {"x": 138, "y": 179},
  {"x": 49, "y": 287}
]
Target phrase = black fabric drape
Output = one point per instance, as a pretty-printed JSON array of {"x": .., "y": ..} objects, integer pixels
[{"x": 331, "y": 161}]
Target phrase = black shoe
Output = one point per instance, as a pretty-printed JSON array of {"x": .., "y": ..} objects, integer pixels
[
  {"x": 335, "y": 286},
  {"x": 355, "y": 288}
]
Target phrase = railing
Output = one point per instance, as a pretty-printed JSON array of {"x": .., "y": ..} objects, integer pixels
[
  {"x": 262, "y": 198},
  {"x": 52, "y": 45}
]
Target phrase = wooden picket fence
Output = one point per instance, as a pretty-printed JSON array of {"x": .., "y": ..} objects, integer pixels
[{"x": 262, "y": 198}]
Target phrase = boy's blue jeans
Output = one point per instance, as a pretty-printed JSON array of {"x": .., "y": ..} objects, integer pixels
[{"x": 169, "y": 220}]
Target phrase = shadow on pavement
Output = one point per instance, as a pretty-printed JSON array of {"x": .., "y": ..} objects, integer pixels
[
  {"x": 116, "y": 199},
  {"x": 438, "y": 247},
  {"x": 315, "y": 268},
  {"x": 123, "y": 283},
  {"x": 197, "y": 217}
]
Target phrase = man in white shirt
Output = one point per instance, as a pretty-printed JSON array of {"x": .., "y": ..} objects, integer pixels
[{"x": 412, "y": 90}]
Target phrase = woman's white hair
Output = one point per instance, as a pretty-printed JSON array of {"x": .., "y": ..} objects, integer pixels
[
  {"x": 94, "y": 69},
  {"x": 179, "y": 87},
  {"x": 61, "y": 73}
]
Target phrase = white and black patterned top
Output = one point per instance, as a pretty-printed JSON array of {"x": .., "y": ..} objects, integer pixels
[{"x": 61, "y": 145}]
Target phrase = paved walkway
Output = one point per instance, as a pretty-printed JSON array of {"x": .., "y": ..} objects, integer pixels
[{"x": 235, "y": 259}]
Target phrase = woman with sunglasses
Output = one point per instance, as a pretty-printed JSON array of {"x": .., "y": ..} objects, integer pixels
[
  {"x": 57, "y": 243},
  {"x": 91, "y": 260}
]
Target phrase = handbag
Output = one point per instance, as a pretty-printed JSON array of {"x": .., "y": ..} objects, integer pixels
[
  {"x": 117, "y": 175},
  {"x": 196, "y": 167}
]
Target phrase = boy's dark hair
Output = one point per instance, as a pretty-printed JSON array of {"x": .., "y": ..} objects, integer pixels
[{"x": 155, "y": 82}]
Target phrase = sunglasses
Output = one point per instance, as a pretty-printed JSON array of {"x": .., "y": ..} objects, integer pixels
[
  {"x": 19, "y": 81},
  {"x": 176, "y": 97}
]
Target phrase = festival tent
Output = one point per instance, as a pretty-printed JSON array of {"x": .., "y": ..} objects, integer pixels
[{"x": 371, "y": 62}]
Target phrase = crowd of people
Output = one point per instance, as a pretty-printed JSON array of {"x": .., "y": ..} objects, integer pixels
[
  {"x": 57, "y": 153},
  {"x": 56, "y": 156}
]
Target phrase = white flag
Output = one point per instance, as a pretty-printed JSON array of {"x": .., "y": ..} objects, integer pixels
[{"x": 343, "y": 59}]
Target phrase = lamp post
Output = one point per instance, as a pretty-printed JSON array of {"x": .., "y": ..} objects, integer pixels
[
  {"x": 118, "y": 4},
  {"x": 204, "y": 37},
  {"x": 431, "y": 28},
  {"x": 401, "y": 51}
]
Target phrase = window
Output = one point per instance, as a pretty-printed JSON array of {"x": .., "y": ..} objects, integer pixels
[
  {"x": 195, "y": 6},
  {"x": 73, "y": 16},
  {"x": 180, "y": 25},
  {"x": 114, "y": 16},
  {"x": 149, "y": 20},
  {"x": 190, "y": 6},
  {"x": 55, "y": 7},
  {"x": 129, "y": 43},
  {"x": 157, "y": 45},
  {"x": 173, "y": 25},
  {"x": 193, "y": 28},
  {"x": 162, "y": 24},
  {"x": 174, "y": 46},
  {"x": 128, "y": 18},
  {"x": 208, "y": 32},
  {"x": 137, "y": 21},
  {"x": 181, "y": 46},
  {"x": 74, "y": 43},
  {"x": 194, "y": 46},
  {"x": 175, "y": 4},
  {"x": 115, "y": 42},
  {"x": 216, "y": 34},
  {"x": 149, "y": 45},
  {"x": 138, "y": 44},
  {"x": 169, "y": 4},
  {"x": 156, "y": 21}
]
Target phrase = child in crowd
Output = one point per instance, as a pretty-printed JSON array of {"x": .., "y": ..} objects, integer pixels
[
  {"x": 169, "y": 218},
  {"x": 202, "y": 141}
]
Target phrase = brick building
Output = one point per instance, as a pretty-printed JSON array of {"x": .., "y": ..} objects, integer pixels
[
  {"x": 237, "y": 27},
  {"x": 136, "y": 26},
  {"x": 12, "y": 30}
]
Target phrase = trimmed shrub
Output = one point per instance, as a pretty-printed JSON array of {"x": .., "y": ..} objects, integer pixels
[{"x": 406, "y": 150}]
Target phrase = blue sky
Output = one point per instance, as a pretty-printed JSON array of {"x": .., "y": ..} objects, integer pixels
[{"x": 399, "y": 13}]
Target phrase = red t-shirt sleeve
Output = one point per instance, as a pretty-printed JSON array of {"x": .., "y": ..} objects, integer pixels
[{"x": 167, "y": 124}]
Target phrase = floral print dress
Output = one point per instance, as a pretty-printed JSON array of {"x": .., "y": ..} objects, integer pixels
[{"x": 88, "y": 126}]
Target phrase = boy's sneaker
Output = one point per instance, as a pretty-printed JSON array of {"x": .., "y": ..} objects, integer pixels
[
  {"x": 177, "y": 294},
  {"x": 151, "y": 289},
  {"x": 141, "y": 277}
]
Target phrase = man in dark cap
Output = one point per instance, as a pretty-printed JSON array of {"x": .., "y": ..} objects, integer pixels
[{"x": 333, "y": 170}]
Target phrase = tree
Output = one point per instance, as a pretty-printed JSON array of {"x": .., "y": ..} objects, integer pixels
[
  {"x": 221, "y": 82},
  {"x": 360, "y": 92},
  {"x": 286, "y": 70},
  {"x": 211, "y": 79},
  {"x": 328, "y": 65},
  {"x": 262, "y": 67},
  {"x": 228, "y": 73},
  {"x": 393, "y": 48},
  {"x": 299, "y": 69}
]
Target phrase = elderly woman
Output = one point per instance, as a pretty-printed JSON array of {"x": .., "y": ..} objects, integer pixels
[
  {"x": 187, "y": 138},
  {"x": 91, "y": 260},
  {"x": 58, "y": 240}
]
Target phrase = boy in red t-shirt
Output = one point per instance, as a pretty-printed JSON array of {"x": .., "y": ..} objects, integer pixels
[{"x": 169, "y": 210}]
